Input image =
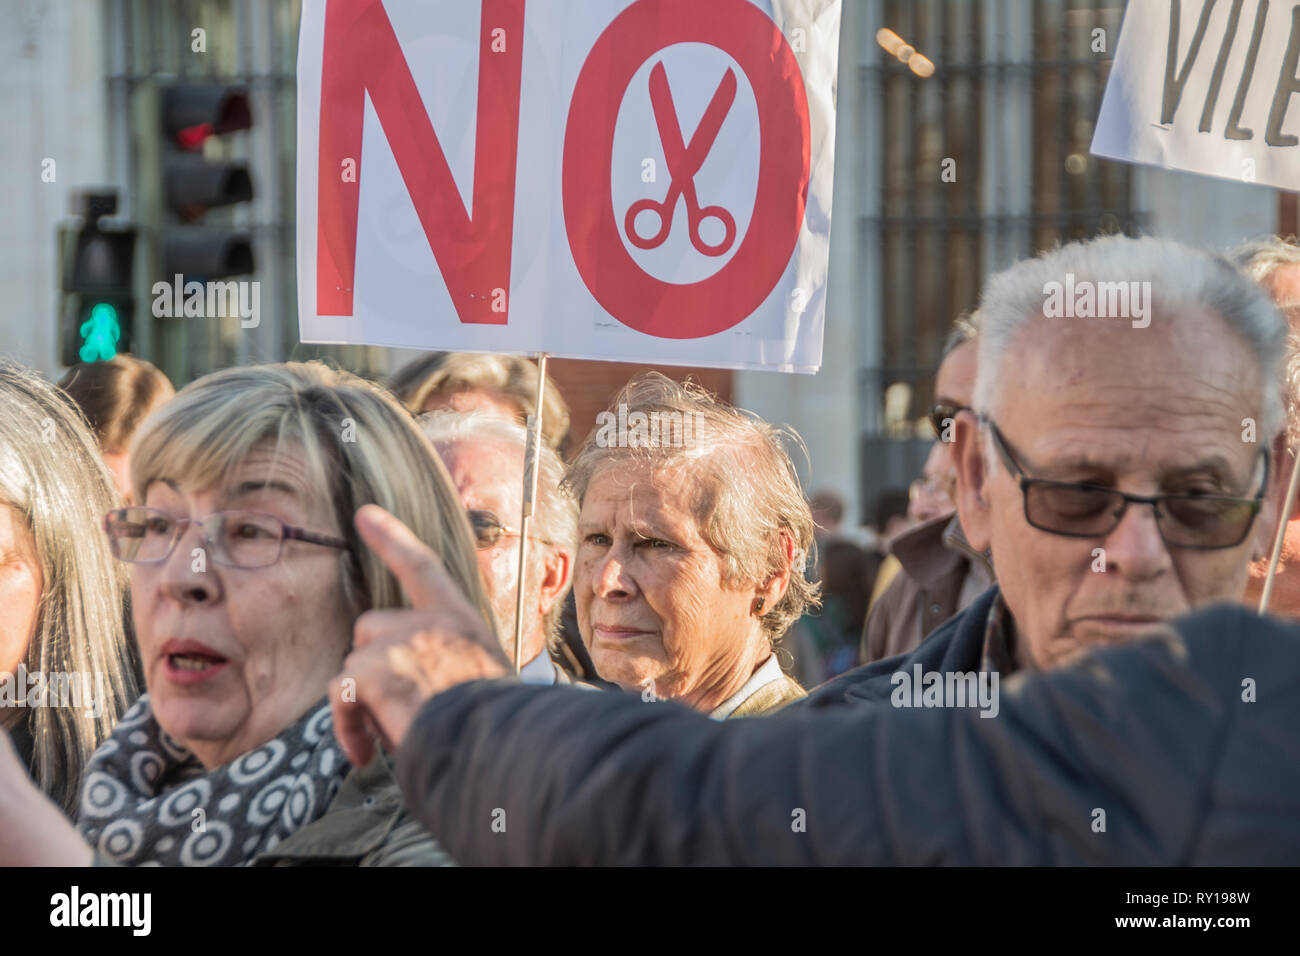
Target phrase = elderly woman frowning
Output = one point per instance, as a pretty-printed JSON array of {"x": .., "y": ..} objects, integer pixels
[
  {"x": 691, "y": 545},
  {"x": 247, "y": 581}
]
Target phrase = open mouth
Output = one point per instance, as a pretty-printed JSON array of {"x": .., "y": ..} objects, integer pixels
[
  {"x": 194, "y": 662},
  {"x": 188, "y": 662}
]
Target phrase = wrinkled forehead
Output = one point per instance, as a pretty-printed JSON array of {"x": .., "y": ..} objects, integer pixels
[
  {"x": 634, "y": 488},
  {"x": 483, "y": 466},
  {"x": 1177, "y": 392}
]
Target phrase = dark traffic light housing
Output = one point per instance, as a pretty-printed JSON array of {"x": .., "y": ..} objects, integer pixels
[
  {"x": 192, "y": 184},
  {"x": 97, "y": 307}
]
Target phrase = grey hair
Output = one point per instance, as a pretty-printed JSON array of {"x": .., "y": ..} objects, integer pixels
[
  {"x": 1182, "y": 279},
  {"x": 52, "y": 475},
  {"x": 965, "y": 328},
  {"x": 511, "y": 376},
  {"x": 747, "y": 488},
  {"x": 557, "y": 510},
  {"x": 1260, "y": 259}
]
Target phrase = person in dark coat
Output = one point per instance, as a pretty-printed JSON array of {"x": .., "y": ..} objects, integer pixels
[
  {"x": 1180, "y": 749},
  {"x": 1117, "y": 478}
]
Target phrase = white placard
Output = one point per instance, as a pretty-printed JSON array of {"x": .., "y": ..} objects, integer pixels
[
  {"x": 1207, "y": 87},
  {"x": 645, "y": 181}
]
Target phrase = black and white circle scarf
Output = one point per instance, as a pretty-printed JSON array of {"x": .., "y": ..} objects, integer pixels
[{"x": 147, "y": 801}]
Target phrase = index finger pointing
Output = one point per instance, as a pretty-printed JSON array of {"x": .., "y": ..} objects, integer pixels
[{"x": 415, "y": 565}]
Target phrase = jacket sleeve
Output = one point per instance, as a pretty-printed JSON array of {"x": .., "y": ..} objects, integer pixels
[
  {"x": 517, "y": 775},
  {"x": 409, "y": 844}
]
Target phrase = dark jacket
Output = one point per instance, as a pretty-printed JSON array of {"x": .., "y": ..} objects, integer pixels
[
  {"x": 939, "y": 567},
  {"x": 1157, "y": 743},
  {"x": 956, "y": 647}
]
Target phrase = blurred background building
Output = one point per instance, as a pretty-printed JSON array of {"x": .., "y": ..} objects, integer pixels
[{"x": 962, "y": 145}]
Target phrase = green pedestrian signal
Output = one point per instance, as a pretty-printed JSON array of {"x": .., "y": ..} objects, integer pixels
[
  {"x": 96, "y": 311},
  {"x": 100, "y": 333}
]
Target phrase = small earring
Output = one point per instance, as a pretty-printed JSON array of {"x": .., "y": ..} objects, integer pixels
[{"x": 758, "y": 608}]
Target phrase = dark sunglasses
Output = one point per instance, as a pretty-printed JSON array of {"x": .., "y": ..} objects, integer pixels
[{"x": 1079, "y": 510}]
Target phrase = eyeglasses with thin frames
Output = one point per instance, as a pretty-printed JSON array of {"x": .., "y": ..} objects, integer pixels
[
  {"x": 942, "y": 415},
  {"x": 1081, "y": 510},
  {"x": 489, "y": 529},
  {"x": 237, "y": 539}
]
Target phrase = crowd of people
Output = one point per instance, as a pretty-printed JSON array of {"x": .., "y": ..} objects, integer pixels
[{"x": 271, "y": 619}]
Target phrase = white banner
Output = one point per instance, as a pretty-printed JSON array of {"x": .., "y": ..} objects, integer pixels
[
  {"x": 645, "y": 181},
  {"x": 1206, "y": 87}
]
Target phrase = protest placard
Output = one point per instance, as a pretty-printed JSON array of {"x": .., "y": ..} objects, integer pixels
[
  {"x": 645, "y": 181},
  {"x": 1206, "y": 87}
]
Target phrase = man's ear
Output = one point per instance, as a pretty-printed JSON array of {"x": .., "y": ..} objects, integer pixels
[
  {"x": 1280, "y": 475},
  {"x": 972, "y": 503},
  {"x": 1281, "y": 464},
  {"x": 557, "y": 571}
]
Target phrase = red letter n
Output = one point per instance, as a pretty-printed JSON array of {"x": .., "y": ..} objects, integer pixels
[{"x": 472, "y": 248}]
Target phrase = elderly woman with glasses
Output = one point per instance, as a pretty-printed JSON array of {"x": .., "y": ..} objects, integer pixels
[{"x": 248, "y": 583}]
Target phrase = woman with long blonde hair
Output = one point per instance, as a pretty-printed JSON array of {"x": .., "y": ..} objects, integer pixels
[
  {"x": 66, "y": 670},
  {"x": 249, "y": 583}
]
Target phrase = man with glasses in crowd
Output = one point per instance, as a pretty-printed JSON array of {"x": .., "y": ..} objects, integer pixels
[
  {"x": 940, "y": 573},
  {"x": 484, "y": 455},
  {"x": 1114, "y": 465}
]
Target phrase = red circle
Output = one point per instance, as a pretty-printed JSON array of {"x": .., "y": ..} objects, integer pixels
[{"x": 628, "y": 293}]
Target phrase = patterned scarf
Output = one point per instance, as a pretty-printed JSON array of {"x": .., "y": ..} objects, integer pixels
[{"x": 148, "y": 801}]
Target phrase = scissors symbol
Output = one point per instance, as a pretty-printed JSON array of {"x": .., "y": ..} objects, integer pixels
[{"x": 683, "y": 163}]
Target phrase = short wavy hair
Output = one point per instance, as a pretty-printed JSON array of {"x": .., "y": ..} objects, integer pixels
[
  {"x": 362, "y": 447},
  {"x": 1260, "y": 259},
  {"x": 747, "y": 488}
]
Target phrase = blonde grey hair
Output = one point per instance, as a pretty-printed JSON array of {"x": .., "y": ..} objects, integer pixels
[
  {"x": 1182, "y": 280},
  {"x": 1260, "y": 259},
  {"x": 556, "y": 512},
  {"x": 511, "y": 376},
  {"x": 361, "y": 447},
  {"x": 747, "y": 491},
  {"x": 52, "y": 475}
]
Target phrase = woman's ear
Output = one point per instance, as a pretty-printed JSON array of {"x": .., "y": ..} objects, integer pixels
[
  {"x": 972, "y": 478},
  {"x": 558, "y": 569},
  {"x": 772, "y": 590}
]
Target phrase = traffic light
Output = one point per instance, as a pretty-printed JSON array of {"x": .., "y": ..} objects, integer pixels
[
  {"x": 97, "y": 308},
  {"x": 190, "y": 115}
]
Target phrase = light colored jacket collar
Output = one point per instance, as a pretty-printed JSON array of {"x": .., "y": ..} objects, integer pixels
[{"x": 769, "y": 672}]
